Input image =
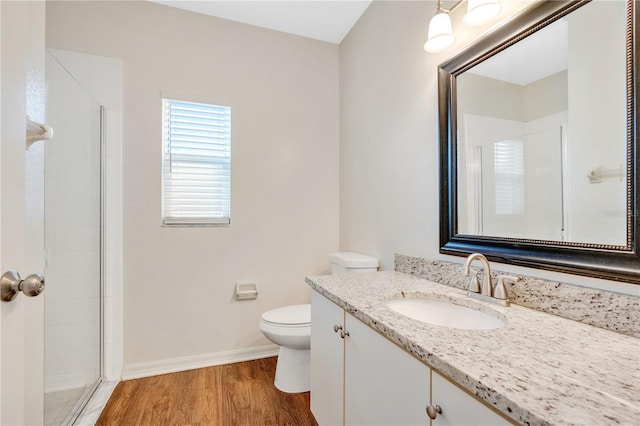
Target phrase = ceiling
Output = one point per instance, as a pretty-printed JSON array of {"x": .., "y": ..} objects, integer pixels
[
  {"x": 540, "y": 55},
  {"x": 322, "y": 20}
]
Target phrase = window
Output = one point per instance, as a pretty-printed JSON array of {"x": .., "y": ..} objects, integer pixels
[
  {"x": 509, "y": 177},
  {"x": 196, "y": 163}
]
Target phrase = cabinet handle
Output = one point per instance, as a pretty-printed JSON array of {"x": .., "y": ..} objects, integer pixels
[
  {"x": 336, "y": 328},
  {"x": 344, "y": 334},
  {"x": 433, "y": 412}
]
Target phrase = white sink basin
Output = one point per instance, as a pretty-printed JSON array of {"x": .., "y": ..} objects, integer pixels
[{"x": 445, "y": 314}]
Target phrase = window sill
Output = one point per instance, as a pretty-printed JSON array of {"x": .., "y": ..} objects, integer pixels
[{"x": 178, "y": 224}]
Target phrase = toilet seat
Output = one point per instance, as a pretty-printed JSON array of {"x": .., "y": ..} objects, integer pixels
[{"x": 289, "y": 316}]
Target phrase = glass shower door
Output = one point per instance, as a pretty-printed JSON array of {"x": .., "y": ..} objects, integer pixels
[{"x": 73, "y": 244}]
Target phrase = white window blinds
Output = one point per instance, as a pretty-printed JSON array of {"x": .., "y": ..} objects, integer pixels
[
  {"x": 509, "y": 177},
  {"x": 196, "y": 169}
]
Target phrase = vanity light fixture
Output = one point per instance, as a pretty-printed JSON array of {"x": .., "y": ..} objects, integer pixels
[{"x": 440, "y": 34}]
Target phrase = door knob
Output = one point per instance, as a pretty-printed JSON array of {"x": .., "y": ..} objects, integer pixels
[{"x": 11, "y": 284}]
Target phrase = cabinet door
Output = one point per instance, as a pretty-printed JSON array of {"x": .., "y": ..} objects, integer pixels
[
  {"x": 459, "y": 407},
  {"x": 327, "y": 361},
  {"x": 384, "y": 385}
]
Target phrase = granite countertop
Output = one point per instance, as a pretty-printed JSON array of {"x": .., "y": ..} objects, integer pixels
[{"x": 538, "y": 369}]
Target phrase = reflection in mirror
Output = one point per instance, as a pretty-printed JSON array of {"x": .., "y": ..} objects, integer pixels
[
  {"x": 539, "y": 169},
  {"x": 542, "y": 134}
]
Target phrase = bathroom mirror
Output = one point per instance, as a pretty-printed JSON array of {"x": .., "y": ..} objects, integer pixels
[{"x": 538, "y": 142}]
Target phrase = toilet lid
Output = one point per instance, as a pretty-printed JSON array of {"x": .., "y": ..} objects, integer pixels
[{"x": 289, "y": 315}]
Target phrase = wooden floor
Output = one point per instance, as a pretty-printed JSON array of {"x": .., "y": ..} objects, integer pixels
[{"x": 234, "y": 394}]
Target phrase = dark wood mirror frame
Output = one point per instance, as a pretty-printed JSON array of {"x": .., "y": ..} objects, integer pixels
[{"x": 619, "y": 263}]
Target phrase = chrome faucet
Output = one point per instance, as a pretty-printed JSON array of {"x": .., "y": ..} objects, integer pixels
[
  {"x": 486, "y": 292},
  {"x": 487, "y": 285}
]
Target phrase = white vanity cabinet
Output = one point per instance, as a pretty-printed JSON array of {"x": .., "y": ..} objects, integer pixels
[
  {"x": 358, "y": 377},
  {"x": 361, "y": 378},
  {"x": 383, "y": 384},
  {"x": 327, "y": 361}
]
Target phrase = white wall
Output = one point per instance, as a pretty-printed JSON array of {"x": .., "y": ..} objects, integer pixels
[
  {"x": 388, "y": 164},
  {"x": 283, "y": 91},
  {"x": 389, "y": 136},
  {"x": 546, "y": 96},
  {"x": 600, "y": 138}
]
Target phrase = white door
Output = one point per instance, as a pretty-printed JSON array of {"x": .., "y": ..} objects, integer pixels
[{"x": 21, "y": 210}]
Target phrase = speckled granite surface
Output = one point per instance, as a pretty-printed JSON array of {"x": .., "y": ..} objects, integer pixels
[
  {"x": 611, "y": 311},
  {"x": 538, "y": 369}
]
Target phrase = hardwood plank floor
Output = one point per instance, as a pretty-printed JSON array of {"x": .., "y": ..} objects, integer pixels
[{"x": 240, "y": 394}]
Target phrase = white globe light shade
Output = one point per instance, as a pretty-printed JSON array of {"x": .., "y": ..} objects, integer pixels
[
  {"x": 480, "y": 11},
  {"x": 440, "y": 34}
]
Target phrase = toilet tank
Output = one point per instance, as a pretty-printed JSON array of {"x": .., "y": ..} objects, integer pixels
[{"x": 347, "y": 262}]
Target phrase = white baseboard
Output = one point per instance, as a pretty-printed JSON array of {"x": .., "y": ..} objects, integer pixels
[{"x": 154, "y": 368}]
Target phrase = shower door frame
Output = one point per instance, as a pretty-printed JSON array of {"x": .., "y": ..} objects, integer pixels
[
  {"x": 102, "y": 77},
  {"x": 90, "y": 389},
  {"x": 81, "y": 404}
]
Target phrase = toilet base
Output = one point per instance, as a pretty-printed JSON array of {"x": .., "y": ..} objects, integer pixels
[{"x": 293, "y": 370}]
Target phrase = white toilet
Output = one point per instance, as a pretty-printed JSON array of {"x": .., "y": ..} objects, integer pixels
[{"x": 290, "y": 327}]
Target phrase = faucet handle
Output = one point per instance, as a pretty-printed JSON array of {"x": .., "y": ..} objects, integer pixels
[
  {"x": 474, "y": 282},
  {"x": 500, "y": 292}
]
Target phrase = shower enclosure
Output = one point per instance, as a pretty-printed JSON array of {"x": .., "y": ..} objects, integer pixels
[
  {"x": 73, "y": 246},
  {"x": 516, "y": 177}
]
